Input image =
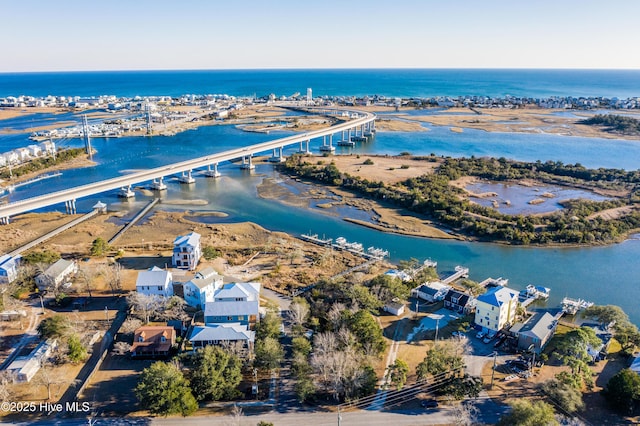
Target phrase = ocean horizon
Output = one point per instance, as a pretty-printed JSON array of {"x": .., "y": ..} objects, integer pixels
[{"x": 393, "y": 82}]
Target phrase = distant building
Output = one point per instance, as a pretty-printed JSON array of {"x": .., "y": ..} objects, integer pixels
[
  {"x": 200, "y": 290},
  {"x": 56, "y": 274},
  {"x": 155, "y": 282},
  {"x": 536, "y": 330},
  {"x": 153, "y": 341},
  {"x": 186, "y": 251},
  {"x": 496, "y": 308},
  {"x": 8, "y": 268}
]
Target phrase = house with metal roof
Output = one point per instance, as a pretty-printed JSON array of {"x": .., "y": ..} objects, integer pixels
[
  {"x": 222, "y": 334},
  {"x": 155, "y": 282},
  {"x": 200, "y": 290},
  {"x": 56, "y": 274},
  {"x": 187, "y": 251},
  {"x": 8, "y": 268},
  {"x": 496, "y": 308},
  {"x": 537, "y": 330}
]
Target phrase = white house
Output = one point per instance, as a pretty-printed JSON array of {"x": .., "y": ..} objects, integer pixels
[
  {"x": 155, "y": 282},
  {"x": 23, "y": 154},
  {"x": 496, "y": 308},
  {"x": 431, "y": 292},
  {"x": 56, "y": 274},
  {"x": 199, "y": 290},
  {"x": 186, "y": 251},
  {"x": 48, "y": 147},
  {"x": 8, "y": 268},
  {"x": 11, "y": 157},
  {"x": 25, "y": 367},
  {"x": 34, "y": 150}
]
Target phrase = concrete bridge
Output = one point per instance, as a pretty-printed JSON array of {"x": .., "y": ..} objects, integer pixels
[{"x": 361, "y": 123}]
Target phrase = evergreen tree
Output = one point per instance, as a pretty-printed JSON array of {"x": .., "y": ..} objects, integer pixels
[
  {"x": 163, "y": 390},
  {"x": 215, "y": 374}
]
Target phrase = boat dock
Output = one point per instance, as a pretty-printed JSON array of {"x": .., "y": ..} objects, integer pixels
[
  {"x": 460, "y": 272},
  {"x": 313, "y": 238},
  {"x": 341, "y": 243},
  {"x": 572, "y": 306},
  {"x": 133, "y": 221}
]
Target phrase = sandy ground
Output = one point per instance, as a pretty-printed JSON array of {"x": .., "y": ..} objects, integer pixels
[
  {"x": 6, "y": 113},
  {"x": 388, "y": 169}
]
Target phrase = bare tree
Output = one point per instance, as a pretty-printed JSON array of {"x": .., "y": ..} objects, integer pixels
[
  {"x": 144, "y": 305},
  {"x": 465, "y": 414},
  {"x": 48, "y": 376},
  {"x": 334, "y": 316},
  {"x": 86, "y": 277},
  {"x": 121, "y": 348},
  {"x": 236, "y": 416},
  {"x": 6, "y": 378},
  {"x": 299, "y": 311},
  {"x": 174, "y": 309},
  {"x": 295, "y": 253},
  {"x": 130, "y": 325},
  {"x": 113, "y": 277}
]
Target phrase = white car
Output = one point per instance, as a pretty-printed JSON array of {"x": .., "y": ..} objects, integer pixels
[{"x": 480, "y": 334}]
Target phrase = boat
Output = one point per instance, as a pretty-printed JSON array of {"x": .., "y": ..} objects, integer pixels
[{"x": 537, "y": 292}]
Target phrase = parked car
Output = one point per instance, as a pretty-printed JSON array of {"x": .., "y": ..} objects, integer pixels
[
  {"x": 429, "y": 403},
  {"x": 480, "y": 334}
]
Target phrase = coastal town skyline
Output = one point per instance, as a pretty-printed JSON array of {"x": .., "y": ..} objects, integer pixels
[{"x": 77, "y": 36}]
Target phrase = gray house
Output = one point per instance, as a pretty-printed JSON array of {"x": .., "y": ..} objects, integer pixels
[{"x": 537, "y": 330}]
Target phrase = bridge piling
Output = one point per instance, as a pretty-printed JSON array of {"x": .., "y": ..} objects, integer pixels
[{"x": 212, "y": 173}]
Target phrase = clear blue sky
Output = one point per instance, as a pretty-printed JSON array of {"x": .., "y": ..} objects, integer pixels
[{"x": 46, "y": 35}]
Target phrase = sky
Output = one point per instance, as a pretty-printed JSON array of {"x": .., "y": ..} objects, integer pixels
[{"x": 65, "y": 35}]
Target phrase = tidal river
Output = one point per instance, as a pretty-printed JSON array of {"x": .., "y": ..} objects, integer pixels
[{"x": 604, "y": 275}]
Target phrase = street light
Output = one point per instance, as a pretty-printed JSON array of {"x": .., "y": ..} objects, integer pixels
[
  {"x": 106, "y": 314},
  {"x": 41, "y": 303}
]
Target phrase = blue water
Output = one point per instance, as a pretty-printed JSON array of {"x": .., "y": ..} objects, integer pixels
[
  {"x": 606, "y": 275},
  {"x": 387, "y": 82}
]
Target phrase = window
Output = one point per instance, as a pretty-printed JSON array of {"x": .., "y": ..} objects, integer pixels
[
  {"x": 229, "y": 318},
  {"x": 241, "y": 317},
  {"x": 140, "y": 339},
  {"x": 163, "y": 339},
  {"x": 160, "y": 287}
]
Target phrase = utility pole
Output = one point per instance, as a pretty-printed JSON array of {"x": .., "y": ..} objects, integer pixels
[
  {"x": 493, "y": 370},
  {"x": 339, "y": 417},
  {"x": 437, "y": 323},
  {"x": 106, "y": 314}
]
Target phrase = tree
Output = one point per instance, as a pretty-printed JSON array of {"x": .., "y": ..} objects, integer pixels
[
  {"x": 567, "y": 396},
  {"x": 439, "y": 359},
  {"x": 163, "y": 390},
  {"x": 527, "y": 413},
  {"x": 6, "y": 380},
  {"x": 623, "y": 390},
  {"x": 269, "y": 326},
  {"x": 210, "y": 253},
  {"x": 388, "y": 288},
  {"x": 215, "y": 374},
  {"x": 144, "y": 305},
  {"x": 606, "y": 315},
  {"x": 45, "y": 256},
  {"x": 361, "y": 297},
  {"x": 367, "y": 332},
  {"x": 113, "y": 277},
  {"x": 121, "y": 348},
  {"x": 269, "y": 353},
  {"x": 572, "y": 350},
  {"x": 99, "y": 247},
  {"x": 398, "y": 373},
  {"x": 299, "y": 311},
  {"x": 465, "y": 414},
  {"x": 462, "y": 387},
  {"x": 55, "y": 326},
  {"x": 76, "y": 350},
  {"x": 86, "y": 276}
]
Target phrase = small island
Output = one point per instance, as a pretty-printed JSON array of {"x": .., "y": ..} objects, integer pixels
[{"x": 441, "y": 195}]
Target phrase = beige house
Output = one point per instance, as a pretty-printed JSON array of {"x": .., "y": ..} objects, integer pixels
[{"x": 496, "y": 309}]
